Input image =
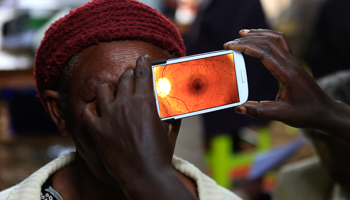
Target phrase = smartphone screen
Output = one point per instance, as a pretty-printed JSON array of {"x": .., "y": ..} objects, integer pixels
[{"x": 195, "y": 85}]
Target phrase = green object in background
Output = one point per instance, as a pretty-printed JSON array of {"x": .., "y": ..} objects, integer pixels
[
  {"x": 222, "y": 160},
  {"x": 264, "y": 140},
  {"x": 35, "y": 23}
]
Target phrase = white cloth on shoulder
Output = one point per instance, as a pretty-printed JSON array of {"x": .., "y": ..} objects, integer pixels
[{"x": 30, "y": 188}]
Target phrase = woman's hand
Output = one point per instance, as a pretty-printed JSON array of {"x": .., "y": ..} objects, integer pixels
[
  {"x": 130, "y": 137},
  {"x": 300, "y": 102},
  {"x": 126, "y": 127}
]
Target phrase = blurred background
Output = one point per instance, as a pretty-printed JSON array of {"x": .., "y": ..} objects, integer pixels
[{"x": 244, "y": 158}]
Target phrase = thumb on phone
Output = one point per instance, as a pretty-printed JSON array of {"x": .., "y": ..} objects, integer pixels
[{"x": 266, "y": 110}]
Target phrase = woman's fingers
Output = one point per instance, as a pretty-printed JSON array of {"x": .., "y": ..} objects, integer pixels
[
  {"x": 271, "y": 54},
  {"x": 104, "y": 96},
  {"x": 276, "y": 36},
  {"x": 91, "y": 119},
  {"x": 126, "y": 83},
  {"x": 143, "y": 75},
  {"x": 267, "y": 110}
]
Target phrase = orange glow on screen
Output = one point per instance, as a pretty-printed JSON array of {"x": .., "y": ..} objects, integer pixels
[{"x": 196, "y": 85}]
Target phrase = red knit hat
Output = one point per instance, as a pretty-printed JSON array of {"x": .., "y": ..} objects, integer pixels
[{"x": 98, "y": 21}]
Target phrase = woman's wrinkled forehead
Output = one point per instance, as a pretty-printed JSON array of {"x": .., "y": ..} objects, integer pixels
[{"x": 106, "y": 62}]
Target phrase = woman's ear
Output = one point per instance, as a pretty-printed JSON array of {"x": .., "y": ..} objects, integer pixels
[{"x": 54, "y": 107}]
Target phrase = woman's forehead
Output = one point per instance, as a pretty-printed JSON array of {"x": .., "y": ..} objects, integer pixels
[
  {"x": 107, "y": 61},
  {"x": 118, "y": 52}
]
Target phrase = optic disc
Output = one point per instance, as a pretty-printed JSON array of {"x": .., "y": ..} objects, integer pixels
[{"x": 163, "y": 87}]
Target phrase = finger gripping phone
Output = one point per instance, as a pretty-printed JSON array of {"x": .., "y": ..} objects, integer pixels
[{"x": 199, "y": 84}]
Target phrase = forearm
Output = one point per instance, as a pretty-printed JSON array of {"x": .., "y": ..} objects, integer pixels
[
  {"x": 337, "y": 121},
  {"x": 156, "y": 185}
]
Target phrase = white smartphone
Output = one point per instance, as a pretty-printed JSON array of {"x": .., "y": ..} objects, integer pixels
[{"x": 199, "y": 84}]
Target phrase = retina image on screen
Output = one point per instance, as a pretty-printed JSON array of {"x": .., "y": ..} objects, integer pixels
[{"x": 196, "y": 85}]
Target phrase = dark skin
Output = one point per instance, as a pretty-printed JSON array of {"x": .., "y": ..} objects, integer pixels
[
  {"x": 333, "y": 153},
  {"x": 129, "y": 152},
  {"x": 300, "y": 102},
  {"x": 124, "y": 150}
]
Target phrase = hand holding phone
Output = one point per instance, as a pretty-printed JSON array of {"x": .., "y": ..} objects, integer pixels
[{"x": 199, "y": 84}]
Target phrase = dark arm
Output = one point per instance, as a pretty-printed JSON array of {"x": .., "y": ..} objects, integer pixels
[{"x": 300, "y": 102}]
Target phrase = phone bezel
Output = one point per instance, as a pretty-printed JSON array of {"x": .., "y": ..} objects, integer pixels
[{"x": 241, "y": 77}]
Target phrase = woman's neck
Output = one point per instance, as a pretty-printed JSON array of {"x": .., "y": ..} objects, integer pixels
[{"x": 76, "y": 181}]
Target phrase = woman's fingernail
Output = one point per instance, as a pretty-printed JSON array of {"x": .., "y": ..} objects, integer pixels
[
  {"x": 231, "y": 42},
  {"x": 241, "y": 110},
  {"x": 245, "y": 30}
]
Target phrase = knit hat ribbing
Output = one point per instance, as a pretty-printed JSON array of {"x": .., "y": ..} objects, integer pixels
[{"x": 99, "y": 21}]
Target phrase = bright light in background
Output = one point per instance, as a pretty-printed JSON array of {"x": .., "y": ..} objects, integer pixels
[
  {"x": 49, "y": 4},
  {"x": 15, "y": 62},
  {"x": 36, "y": 9},
  {"x": 186, "y": 12},
  {"x": 273, "y": 8},
  {"x": 38, "y": 4},
  {"x": 163, "y": 87}
]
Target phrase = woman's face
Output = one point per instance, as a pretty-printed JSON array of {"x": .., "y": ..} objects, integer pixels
[{"x": 96, "y": 65}]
